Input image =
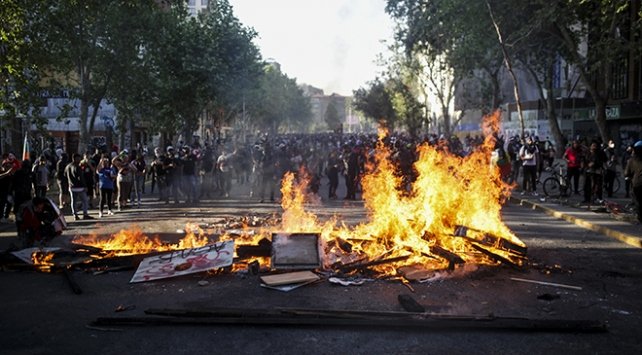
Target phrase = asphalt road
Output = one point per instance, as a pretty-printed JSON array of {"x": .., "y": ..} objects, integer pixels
[{"x": 40, "y": 315}]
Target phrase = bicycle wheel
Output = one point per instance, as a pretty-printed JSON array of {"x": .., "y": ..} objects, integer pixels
[{"x": 552, "y": 187}]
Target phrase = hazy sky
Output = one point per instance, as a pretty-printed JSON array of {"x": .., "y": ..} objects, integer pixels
[{"x": 330, "y": 44}]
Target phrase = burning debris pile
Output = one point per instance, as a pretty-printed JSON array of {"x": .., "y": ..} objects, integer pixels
[{"x": 448, "y": 217}]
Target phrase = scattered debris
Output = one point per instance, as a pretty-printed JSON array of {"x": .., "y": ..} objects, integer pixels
[
  {"x": 295, "y": 251},
  {"x": 121, "y": 308},
  {"x": 547, "y": 283},
  {"x": 351, "y": 281},
  {"x": 289, "y": 278},
  {"x": 203, "y": 283},
  {"x": 548, "y": 297},
  {"x": 359, "y": 266},
  {"x": 185, "y": 262},
  {"x": 290, "y": 287},
  {"x": 71, "y": 281},
  {"x": 264, "y": 248},
  {"x": 409, "y": 304}
]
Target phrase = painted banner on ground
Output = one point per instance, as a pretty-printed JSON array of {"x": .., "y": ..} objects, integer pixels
[{"x": 184, "y": 262}]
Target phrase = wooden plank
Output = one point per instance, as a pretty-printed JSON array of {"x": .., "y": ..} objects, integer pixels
[
  {"x": 495, "y": 256},
  {"x": 289, "y": 278},
  {"x": 410, "y": 320},
  {"x": 577, "y": 288},
  {"x": 365, "y": 265},
  {"x": 490, "y": 240}
]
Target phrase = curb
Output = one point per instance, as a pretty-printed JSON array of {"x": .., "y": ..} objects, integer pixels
[{"x": 621, "y": 236}]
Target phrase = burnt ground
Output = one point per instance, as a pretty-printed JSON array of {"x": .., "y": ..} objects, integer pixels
[{"x": 40, "y": 315}]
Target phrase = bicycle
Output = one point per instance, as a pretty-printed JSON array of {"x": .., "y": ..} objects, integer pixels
[{"x": 556, "y": 185}]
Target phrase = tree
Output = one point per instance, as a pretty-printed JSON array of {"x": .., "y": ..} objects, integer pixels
[
  {"x": 332, "y": 118},
  {"x": 375, "y": 102},
  {"x": 447, "y": 41},
  {"x": 20, "y": 58},
  {"x": 610, "y": 32},
  {"x": 278, "y": 104}
]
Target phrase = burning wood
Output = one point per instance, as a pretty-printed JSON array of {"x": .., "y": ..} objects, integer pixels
[{"x": 404, "y": 226}]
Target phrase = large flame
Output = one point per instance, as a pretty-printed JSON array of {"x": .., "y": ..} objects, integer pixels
[{"x": 134, "y": 241}]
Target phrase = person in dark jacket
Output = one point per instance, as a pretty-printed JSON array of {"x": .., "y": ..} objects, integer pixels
[
  {"x": 633, "y": 172},
  {"x": 77, "y": 187}
]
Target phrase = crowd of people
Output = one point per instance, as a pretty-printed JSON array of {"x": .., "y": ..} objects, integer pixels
[{"x": 110, "y": 180}]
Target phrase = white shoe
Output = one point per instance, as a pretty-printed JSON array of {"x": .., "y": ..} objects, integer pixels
[
  {"x": 523, "y": 193},
  {"x": 110, "y": 213},
  {"x": 535, "y": 193},
  {"x": 100, "y": 215}
]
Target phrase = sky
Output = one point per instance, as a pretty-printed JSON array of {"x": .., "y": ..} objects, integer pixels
[{"x": 329, "y": 44}]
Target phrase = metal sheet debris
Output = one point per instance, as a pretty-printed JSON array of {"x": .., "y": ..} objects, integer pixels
[{"x": 295, "y": 251}]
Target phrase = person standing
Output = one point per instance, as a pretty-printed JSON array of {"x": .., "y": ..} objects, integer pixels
[
  {"x": 40, "y": 175},
  {"x": 189, "y": 176},
  {"x": 513, "y": 154},
  {"x": 6, "y": 173},
  {"x": 529, "y": 155},
  {"x": 106, "y": 176},
  {"x": 172, "y": 176},
  {"x": 628, "y": 153},
  {"x": 573, "y": 156},
  {"x": 61, "y": 179},
  {"x": 332, "y": 171},
  {"x": 124, "y": 180},
  {"x": 633, "y": 172},
  {"x": 268, "y": 173},
  {"x": 140, "y": 171},
  {"x": 22, "y": 185},
  {"x": 224, "y": 165},
  {"x": 77, "y": 187},
  {"x": 611, "y": 166},
  {"x": 594, "y": 165},
  {"x": 89, "y": 170}
]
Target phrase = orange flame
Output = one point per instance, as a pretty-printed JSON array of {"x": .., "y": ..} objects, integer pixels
[{"x": 134, "y": 241}]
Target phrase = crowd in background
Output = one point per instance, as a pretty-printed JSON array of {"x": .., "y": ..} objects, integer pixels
[{"x": 111, "y": 180}]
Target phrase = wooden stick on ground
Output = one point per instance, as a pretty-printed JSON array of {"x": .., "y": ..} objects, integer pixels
[{"x": 547, "y": 283}]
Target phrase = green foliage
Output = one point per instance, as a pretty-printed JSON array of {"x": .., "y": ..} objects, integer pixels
[
  {"x": 332, "y": 118},
  {"x": 278, "y": 104},
  {"x": 376, "y": 102}
]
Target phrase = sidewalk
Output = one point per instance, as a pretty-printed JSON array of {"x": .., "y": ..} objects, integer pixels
[{"x": 610, "y": 218}]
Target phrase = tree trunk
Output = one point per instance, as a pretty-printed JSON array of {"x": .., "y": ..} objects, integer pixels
[
  {"x": 591, "y": 86},
  {"x": 509, "y": 66},
  {"x": 83, "y": 134}
]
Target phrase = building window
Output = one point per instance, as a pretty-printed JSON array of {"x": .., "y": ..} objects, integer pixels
[
  {"x": 205, "y": 2},
  {"x": 191, "y": 2},
  {"x": 620, "y": 76}
]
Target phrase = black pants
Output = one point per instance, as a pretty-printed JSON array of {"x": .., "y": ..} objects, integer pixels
[
  {"x": 592, "y": 186},
  {"x": 574, "y": 173},
  {"x": 609, "y": 178},
  {"x": 530, "y": 178},
  {"x": 637, "y": 196},
  {"x": 106, "y": 196}
]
